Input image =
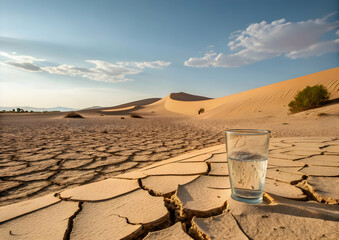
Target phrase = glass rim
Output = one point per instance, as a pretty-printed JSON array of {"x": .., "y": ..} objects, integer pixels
[{"x": 247, "y": 131}]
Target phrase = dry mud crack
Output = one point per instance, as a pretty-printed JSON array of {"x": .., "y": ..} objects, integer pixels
[
  {"x": 188, "y": 197},
  {"x": 55, "y": 150},
  {"x": 70, "y": 222}
]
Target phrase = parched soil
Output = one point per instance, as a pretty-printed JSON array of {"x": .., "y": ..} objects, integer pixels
[{"x": 43, "y": 153}]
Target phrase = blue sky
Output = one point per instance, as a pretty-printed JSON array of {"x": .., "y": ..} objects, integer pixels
[{"x": 85, "y": 53}]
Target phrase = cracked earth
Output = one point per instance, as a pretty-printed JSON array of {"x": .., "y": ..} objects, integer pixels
[
  {"x": 44, "y": 154},
  {"x": 41, "y": 156},
  {"x": 188, "y": 197}
]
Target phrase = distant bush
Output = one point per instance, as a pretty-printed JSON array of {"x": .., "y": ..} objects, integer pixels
[
  {"x": 322, "y": 114},
  {"x": 201, "y": 110},
  {"x": 309, "y": 97},
  {"x": 122, "y": 118},
  {"x": 136, "y": 116},
  {"x": 73, "y": 115}
]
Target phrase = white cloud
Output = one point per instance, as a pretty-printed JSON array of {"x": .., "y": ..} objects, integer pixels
[
  {"x": 21, "y": 58},
  {"x": 24, "y": 66},
  {"x": 207, "y": 60},
  {"x": 317, "y": 49},
  {"x": 142, "y": 65},
  {"x": 66, "y": 70},
  {"x": 22, "y": 61},
  {"x": 105, "y": 71},
  {"x": 102, "y": 71},
  {"x": 260, "y": 41}
]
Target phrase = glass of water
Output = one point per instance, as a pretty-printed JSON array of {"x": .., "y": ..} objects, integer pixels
[{"x": 247, "y": 153}]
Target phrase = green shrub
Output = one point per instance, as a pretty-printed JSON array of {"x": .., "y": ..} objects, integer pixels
[
  {"x": 309, "y": 97},
  {"x": 135, "y": 116},
  {"x": 73, "y": 115},
  {"x": 201, "y": 110}
]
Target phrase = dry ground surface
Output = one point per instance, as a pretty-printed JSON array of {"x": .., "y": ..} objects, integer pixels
[
  {"x": 43, "y": 153},
  {"x": 188, "y": 197}
]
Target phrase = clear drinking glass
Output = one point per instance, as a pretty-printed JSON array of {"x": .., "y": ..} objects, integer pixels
[{"x": 247, "y": 153}]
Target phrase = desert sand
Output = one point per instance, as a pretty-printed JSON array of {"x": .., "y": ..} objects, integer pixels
[
  {"x": 267, "y": 101},
  {"x": 144, "y": 159}
]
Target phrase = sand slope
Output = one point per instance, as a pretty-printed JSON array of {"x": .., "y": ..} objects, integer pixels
[
  {"x": 127, "y": 107},
  {"x": 267, "y": 101},
  {"x": 260, "y": 102},
  {"x": 175, "y": 104},
  {"x": 181, "y": 96}
]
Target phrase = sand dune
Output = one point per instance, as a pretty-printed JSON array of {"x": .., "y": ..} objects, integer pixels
[
  {"x": 122, "y": 107},
  {"x": 172, "y": 106},
  {"x": 260, "y": 102},
  {"x": 155, "y": 106},
  {"x": 267, "y": 101},
  {"x": 119, "y": 109},
  {"x": 181, "y": 96}
]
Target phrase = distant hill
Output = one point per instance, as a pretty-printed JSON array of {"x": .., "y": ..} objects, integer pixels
[
  {"x": 181, "y": 96},
  {"x": 135, "y": 103},
  {"x": 34, "y": 109}
]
